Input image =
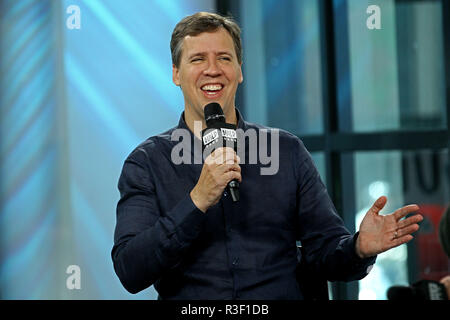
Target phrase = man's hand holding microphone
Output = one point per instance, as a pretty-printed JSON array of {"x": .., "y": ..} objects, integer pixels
[{"x": 221, "y": 167}]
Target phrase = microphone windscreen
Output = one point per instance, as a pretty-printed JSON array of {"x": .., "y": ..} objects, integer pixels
[{"x": 213, "y": 113}]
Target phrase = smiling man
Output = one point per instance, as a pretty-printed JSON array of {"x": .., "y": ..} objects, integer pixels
[
  {"x": 178, "y": 229},
  {"x": 208, "y": 70}
]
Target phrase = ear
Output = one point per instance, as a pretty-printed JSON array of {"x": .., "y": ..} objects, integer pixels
[
  {"x": 175, "y": 75},
  {"x": 241, "y": 77}
]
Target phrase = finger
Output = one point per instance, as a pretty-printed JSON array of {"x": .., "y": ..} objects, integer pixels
[
  {"x": 378, "y": 204},
  {"x": 230, "y": 159},
  {"x": 232, "y": 167},
  {"x": 236, "y": 167},
  {"x": 411, "y": 220},
  {"x": 400, "y": 240},
  {"x": 210, "y": 159},
  {"x": 232, "y": 175},
  {"x": 225, "y": 159},
  {"x": 407, "y": 230},
  {"x": 222, "y": 150},
  {"x": 221, "y": 157},
  {"x": 224, "y": 169},
  {"x": 445, "y": 280},
  {"x": 402, "y": 212},
  {"x": 224, "y": 155},
  {"x": 217, "y": 153}
]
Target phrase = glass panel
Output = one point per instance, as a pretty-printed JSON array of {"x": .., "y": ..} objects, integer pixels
[
  {"x": 426, "y": 181},
  {"x": 405, "y": 178},
  {"x": 282, "y": 71},
  {"x": 319, "y": 161},
  {"x": 397, "y": 72}
]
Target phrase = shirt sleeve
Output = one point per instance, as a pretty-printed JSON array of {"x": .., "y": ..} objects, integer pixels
[
  {"x": 328, "y": 245},
  {"x": 148, "y": 242}
]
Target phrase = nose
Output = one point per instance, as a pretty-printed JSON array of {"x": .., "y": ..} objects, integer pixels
[{"x": 212, "y": 69}]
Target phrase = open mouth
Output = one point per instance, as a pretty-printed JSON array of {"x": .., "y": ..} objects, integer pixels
[{"x": 212, "y": 90}]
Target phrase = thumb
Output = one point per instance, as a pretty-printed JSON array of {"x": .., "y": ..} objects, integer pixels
[{"x": 378, "y": 204}]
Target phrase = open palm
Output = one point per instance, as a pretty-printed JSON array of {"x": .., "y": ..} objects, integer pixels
[{"x": 379, "y": 233}]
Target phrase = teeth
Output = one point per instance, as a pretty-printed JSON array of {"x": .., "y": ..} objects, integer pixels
[{"x": 212, "y": 87}]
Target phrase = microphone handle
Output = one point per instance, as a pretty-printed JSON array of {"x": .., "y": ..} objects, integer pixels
[{"x": 233, "y": 188}]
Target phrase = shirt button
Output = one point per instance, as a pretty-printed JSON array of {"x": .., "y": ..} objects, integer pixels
[
  {"x": 225, "y": 194},
  {"x": 235, "y": 261}
]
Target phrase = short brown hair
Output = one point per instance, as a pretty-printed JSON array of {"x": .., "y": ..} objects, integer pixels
[{"x": 203, "y": 22}]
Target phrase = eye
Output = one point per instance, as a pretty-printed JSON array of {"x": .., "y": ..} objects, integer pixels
[
  {"x": 225, "y": 58},
  {"x": 196, "y": 59}
]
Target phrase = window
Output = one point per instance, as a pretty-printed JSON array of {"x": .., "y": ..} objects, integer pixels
[
  {"x": 282, "y": 68},
  {"x": 396, "y": 73},
  {"x": 404, "y": 177},
  {"x": 370, "y": 106}
]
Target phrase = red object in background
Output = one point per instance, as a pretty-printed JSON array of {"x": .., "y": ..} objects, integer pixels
[{"x": 433, "y": 263}]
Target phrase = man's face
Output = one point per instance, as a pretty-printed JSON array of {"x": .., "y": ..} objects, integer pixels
[{"x": 209, "y": 71}]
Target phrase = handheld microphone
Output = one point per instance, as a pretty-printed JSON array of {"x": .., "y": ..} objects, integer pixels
[
  {"x": 419, "y": 291},
  {"x": 219, "y": 134}
]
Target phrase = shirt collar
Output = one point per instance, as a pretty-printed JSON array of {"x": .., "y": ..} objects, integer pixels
[{"x": 240, "y": 123}]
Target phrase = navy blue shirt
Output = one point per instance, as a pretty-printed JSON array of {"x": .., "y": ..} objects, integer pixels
[{"x": 236, "y": 250}]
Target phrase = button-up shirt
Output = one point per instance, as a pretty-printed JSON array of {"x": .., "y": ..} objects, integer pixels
[{"x": 235, "y": 250}]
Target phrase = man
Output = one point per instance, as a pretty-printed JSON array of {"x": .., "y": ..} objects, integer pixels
[{"x": 178, "y": 229}]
